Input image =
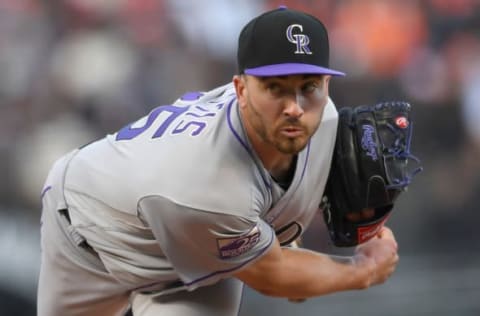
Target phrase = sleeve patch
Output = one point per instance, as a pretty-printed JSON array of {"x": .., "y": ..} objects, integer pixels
[{"x": 233, "y": 247}]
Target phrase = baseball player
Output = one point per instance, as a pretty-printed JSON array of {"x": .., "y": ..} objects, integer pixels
[{"x": 173, "y": 213}]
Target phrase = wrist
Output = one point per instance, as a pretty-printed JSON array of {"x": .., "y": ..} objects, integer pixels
[{"x": 365, "y": 270}]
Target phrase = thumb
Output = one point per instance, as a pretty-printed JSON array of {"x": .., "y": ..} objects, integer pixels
[{"x": 387, "y": 234}]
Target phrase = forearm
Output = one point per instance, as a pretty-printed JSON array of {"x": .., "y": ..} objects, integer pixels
[{"x": 302, "y": 273}]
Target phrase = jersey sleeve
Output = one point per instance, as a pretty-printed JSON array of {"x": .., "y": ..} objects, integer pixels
[{"x": 204, "y": 247}]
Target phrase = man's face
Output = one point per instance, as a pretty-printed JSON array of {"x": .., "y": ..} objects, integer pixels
[{"x": 282, "y": 112}]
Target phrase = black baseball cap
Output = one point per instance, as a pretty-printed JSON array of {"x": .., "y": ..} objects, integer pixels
[{"x": 284, "y": 42}]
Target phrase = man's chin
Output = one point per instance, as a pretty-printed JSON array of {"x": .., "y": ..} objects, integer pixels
[{"x": 291, "y": 146}]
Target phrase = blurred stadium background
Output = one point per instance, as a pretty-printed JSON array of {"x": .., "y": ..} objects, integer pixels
[{"x": 74, "y": 70}]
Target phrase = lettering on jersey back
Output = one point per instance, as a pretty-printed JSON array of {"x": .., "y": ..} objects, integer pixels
[{"x": 193, "y": 118}]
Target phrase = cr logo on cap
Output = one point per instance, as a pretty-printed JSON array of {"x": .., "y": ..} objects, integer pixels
[{"x": 300, "y": 40}]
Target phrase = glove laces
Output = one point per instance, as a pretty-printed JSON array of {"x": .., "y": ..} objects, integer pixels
[{"x": 399, "y": 152}]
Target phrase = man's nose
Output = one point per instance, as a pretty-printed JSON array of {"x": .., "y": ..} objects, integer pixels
[{"x": 293, "y": 106}]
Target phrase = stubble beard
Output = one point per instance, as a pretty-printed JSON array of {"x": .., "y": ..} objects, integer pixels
[
  {"x": 290, "y": 145},
  {"x": 283, "y": 144}
]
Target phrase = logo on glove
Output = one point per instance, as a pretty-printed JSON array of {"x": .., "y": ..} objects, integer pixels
[
  {"x": 368, "y": 143},
  {"x": 367, "y": 232},
  {"x": 401, "y": 122}
]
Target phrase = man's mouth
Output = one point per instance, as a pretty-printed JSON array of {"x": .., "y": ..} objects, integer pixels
[{"x": 292, "y": 131}]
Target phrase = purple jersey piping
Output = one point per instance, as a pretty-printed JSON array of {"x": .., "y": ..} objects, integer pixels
[
  {"x": 45, "y": 191},
  {"x": 220, "y": 271},
  {"x": 278, "y": 212},
  {"x": 234, "y": 268},
  {"x": 306, "y": 162},
  {"x": 304, "y": 166},
  {"x": 241, "y": 141}
]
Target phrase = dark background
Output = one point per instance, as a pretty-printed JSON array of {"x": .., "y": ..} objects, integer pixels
[{"x": 74, "y": 70}]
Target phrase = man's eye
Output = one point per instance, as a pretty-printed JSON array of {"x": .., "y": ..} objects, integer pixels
[
  {"x": 309, "y": 87},
  {"x": 274, "y": 88}
]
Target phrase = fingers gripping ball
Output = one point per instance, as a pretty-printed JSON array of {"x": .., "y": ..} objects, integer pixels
[{"x": 370, "y": 168}]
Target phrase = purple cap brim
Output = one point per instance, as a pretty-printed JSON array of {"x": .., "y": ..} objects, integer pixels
[{"x": 290, "y": 69}]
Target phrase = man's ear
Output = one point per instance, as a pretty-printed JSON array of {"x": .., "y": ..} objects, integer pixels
[
  {"x": 239, "y": 81},
  {"x": 327, "y": 82}
]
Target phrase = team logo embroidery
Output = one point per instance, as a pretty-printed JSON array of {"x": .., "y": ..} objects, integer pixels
[
  {"x": 233, "y": 247},
  {"x": 368, "y": 143},
  {"x": 401, "y": 122},
  {"x": 300, "y": 40}
]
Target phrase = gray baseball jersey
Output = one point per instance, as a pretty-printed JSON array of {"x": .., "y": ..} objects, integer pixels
[{"x": 179, "y": 200}]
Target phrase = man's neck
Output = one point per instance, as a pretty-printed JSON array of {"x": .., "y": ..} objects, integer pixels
[
  {"x": 280, "y": 166},
  {"x": 284, "y": 174}
]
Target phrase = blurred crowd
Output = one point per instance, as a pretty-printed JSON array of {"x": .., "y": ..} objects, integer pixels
[{"x": 73, "y": 70}]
